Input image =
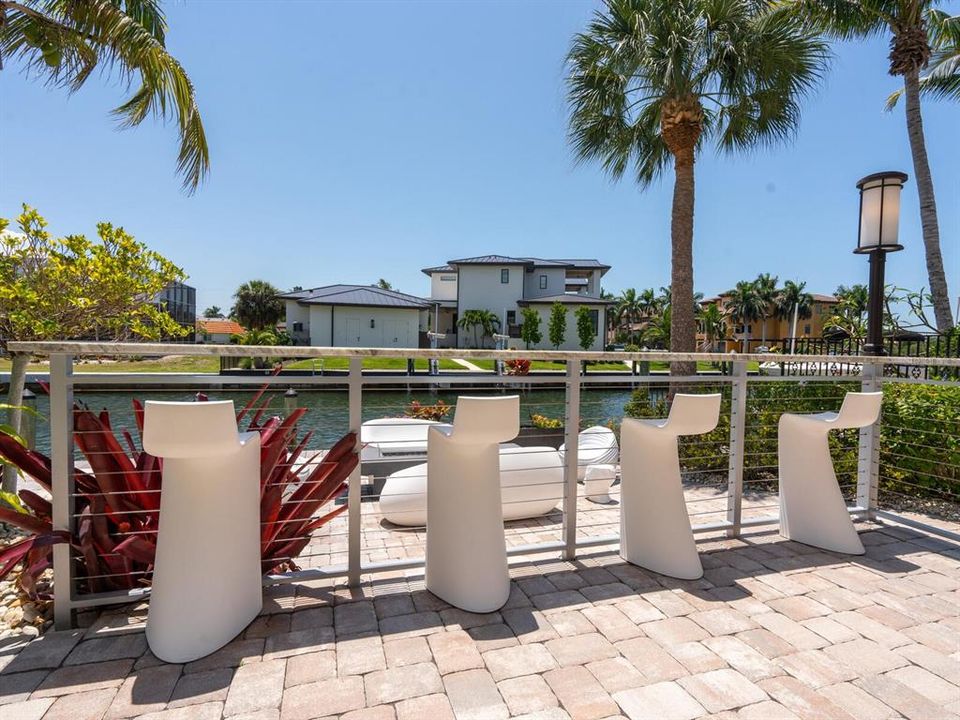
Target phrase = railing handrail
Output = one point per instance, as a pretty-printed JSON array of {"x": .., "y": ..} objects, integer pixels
[{"x": 79, "y": 348}]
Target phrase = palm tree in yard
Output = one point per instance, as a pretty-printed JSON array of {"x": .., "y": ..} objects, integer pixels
[
  {"x": 766, "y": 287},
  {"x": 714, "y": 326},
  {"x": 911, "y": 24},
  {"x": 793, "y": 302},
  {"x": 744, "y": 306},
  {"x": 628, "y": 309},
  {"x": 651, "y": 82},
  {"x": 64, "y": 41},
  {"x": 256, "y": 305}
]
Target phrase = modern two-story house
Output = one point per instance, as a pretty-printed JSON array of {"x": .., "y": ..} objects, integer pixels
[{"x": 504, "y": 285}]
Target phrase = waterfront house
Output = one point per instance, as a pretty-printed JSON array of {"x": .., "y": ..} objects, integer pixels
[{"x": 217, "y": 331}]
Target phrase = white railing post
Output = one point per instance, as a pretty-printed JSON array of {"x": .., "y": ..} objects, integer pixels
[
  {"x": 738, "y": 423},
  {"x": 570, "y": 459},
  {"x": 868, "y": 459},
  {"x": 355, "y": 393},
  {"x": 61, "y": 466}
]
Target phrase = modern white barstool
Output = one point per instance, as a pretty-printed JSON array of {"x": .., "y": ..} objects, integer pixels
[
  {"x": 206, "y": 580},
  {"x": 466, "y": 562},
  {"x": 655, "y": 529},
  {"x": 812, "y": 509}
]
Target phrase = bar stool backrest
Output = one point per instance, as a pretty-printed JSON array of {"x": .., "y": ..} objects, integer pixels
[
  {"x": 190, "y": 429},
  {"x": 483, "y": 420},
  {"x": 859, "y": 409},
  {"x": 694, "y": 414}
]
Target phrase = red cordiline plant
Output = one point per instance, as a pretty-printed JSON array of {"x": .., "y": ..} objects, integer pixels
[{"x": 118, "y": 500}]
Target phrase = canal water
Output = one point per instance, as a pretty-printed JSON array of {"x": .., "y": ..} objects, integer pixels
[{"x": 327, "y": 413}]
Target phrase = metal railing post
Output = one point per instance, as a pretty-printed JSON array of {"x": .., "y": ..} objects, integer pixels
[
  {"x": 61, "y": 466},
  {"x": 868, "y": 458},
  {"x": 355, "y": 393},
  {"x": 571, "y": 460},
  {"x": 738, "y": 423}
]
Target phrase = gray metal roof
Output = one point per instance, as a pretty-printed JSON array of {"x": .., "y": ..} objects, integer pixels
[
  {"x": 490, "y": 260},
  {"x": 363, "y": 295},
  {"x": 585, "y": 263},
  {"x": 438, "y": 268},
  {"x": 566, "y": 299}
]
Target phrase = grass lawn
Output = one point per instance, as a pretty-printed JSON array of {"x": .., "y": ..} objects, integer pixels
[
  {"x": 170, "y": 364},
  {"x": 341, "y": 363}
]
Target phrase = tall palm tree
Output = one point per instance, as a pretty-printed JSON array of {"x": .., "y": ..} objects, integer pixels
[
  {"x": 766, "y": 286},
  {"x": 628, "y": 309},
  {"x": 648, "y": 302},
  {"x": 651, "y": 82},
  {"x": 907, "y": 21},
  {"x": 744, "y": 306},
  {"x": 658, "y": 331},
  {"x": 793, "y": 301},
  {"x": 941, "y": 80},
  {"x": 66, "y": 40},
  {"x": 256, "y": 305},
  {"x": 714, "y": 326}
]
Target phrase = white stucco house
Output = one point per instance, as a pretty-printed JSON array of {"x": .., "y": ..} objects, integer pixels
[
  {"x": 503, "y": 285},
  {"x": 355, "y": 316}
]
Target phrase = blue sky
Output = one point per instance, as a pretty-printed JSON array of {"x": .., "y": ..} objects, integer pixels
[{"x": 353, "y": 141}]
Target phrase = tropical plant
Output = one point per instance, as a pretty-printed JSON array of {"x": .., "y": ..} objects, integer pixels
[
  {"x": 436, "y": 412},
  {"x": 384, "y": 285},
  {"x": 766, "y": 288},
  {"x": 118, "y": 499},
  {"x": 545, "y": 423},
  {"x": 557, "y": 328},
  {"x": 72, "y": 288},
  {"x": 744, "y": 307},
  {"x": 213, "y": 312},
  {"x": 64, "y": 42},
  {"x": 530, "y": 327},
  {"x": 586, "y": 328},
  {"x": 257, "y": 305},
  {"x": 484, "y": 324},
  {"x": 628, "y": 309},
  {"x": 714, "y": 325},
  {"x": 657, "y": 331},
  {"x": 849, "y": 315},
  {"x": 793, "y": 302},
  {"x": 650, "y": 82},
  {"x": 941, "y": 80},
  {"x": 519, "y": 366},
  {"x": 908, "y": 22}
]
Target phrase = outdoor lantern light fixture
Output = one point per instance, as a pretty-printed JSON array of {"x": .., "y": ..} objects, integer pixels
[{"x": 878, "y": 235}]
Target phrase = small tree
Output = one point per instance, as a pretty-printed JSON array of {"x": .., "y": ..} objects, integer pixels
[
  {"x": 213, "y": 311},
  {"x": 530, "y": 327},
  {"x": 69, "y": 288},
  {"x": 557, "y": 330},
  {"x": 257, "y": 306},
  {"x": 586, "y": 330},
  {"x": 384, "y": 284}
]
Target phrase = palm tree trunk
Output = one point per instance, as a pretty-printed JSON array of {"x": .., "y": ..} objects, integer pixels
[
  {"x": 683, "y": 328},
  {"x": 18, "y": 377},
  {"x": 928, "y": 204}
]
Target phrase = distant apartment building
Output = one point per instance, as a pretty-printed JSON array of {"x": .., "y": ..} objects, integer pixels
[
  {"x": 505, "y": 285},
  {"x": 179, "y": 300},
  {"x": 777, "y": 328}
]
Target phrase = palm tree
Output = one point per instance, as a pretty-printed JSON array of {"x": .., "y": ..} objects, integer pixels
[
  {"x": 213, "y": 311},
  {"x": 648, "y": 302},
  {"x": 714, "y": 326},
  {"x": 766, "y": 287},
  {"x": 628, "y": 309},
  {"x": 65, "y": 42},
  {"x": 256, "y": 305},
  {"x": 485, "y": 320},
  {"x": 651, "y": 82},
  {"x": 744, "y": 306},
  {"x": 659, "y": 330},
  {"x": 908, "y": 22},
  {"x": 793, "y": 301},
  {"x": 941, "y": 81}
]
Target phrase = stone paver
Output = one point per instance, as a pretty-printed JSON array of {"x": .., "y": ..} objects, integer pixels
[
  {"x": 473, "y": 695},
  {"x": 775, "y": 630}
]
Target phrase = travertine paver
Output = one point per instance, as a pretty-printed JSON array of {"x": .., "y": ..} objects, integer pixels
[{"x": 774, "y": 630}]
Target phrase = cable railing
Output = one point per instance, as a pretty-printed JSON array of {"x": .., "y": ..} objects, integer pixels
[{"x": 896, "y": 470}]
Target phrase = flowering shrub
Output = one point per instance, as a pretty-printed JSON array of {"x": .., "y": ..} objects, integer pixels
[
  {"x": 545, "y": 423},
  {"x": 517, "y": 367},
  {"x": 436, "y": 412}
]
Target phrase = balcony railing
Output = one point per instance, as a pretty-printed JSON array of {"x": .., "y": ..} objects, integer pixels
[{"x": 729, "y": 475}]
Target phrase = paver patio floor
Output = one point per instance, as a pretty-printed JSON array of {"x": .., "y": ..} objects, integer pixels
[{"x": 774, "y": 630}]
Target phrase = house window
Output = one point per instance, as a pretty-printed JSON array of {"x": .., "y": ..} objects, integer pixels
[
  {"x": 806, "y": 329},
  {"x": 298, "y": 327},
  {"x": 543, "y": 282},
  {"x": 373, "y": 323},
  {"x": 505, "y": 276},
  {"x": 448, "y": 278},
  {"x": 511, "y": 317},
  {"x": 595, "y": 320}
]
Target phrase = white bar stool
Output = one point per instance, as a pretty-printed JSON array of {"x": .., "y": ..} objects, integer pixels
[
  {"x": 207, "y": 584},
  {"x": 655, "y": 529},
  {"x": 466, "y": 559},
  {"x": 812, "y": 508},
  {"x": 597, "y": 481}
]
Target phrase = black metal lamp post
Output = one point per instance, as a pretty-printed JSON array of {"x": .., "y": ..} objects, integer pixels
[{"x": 879, "y": 226}]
